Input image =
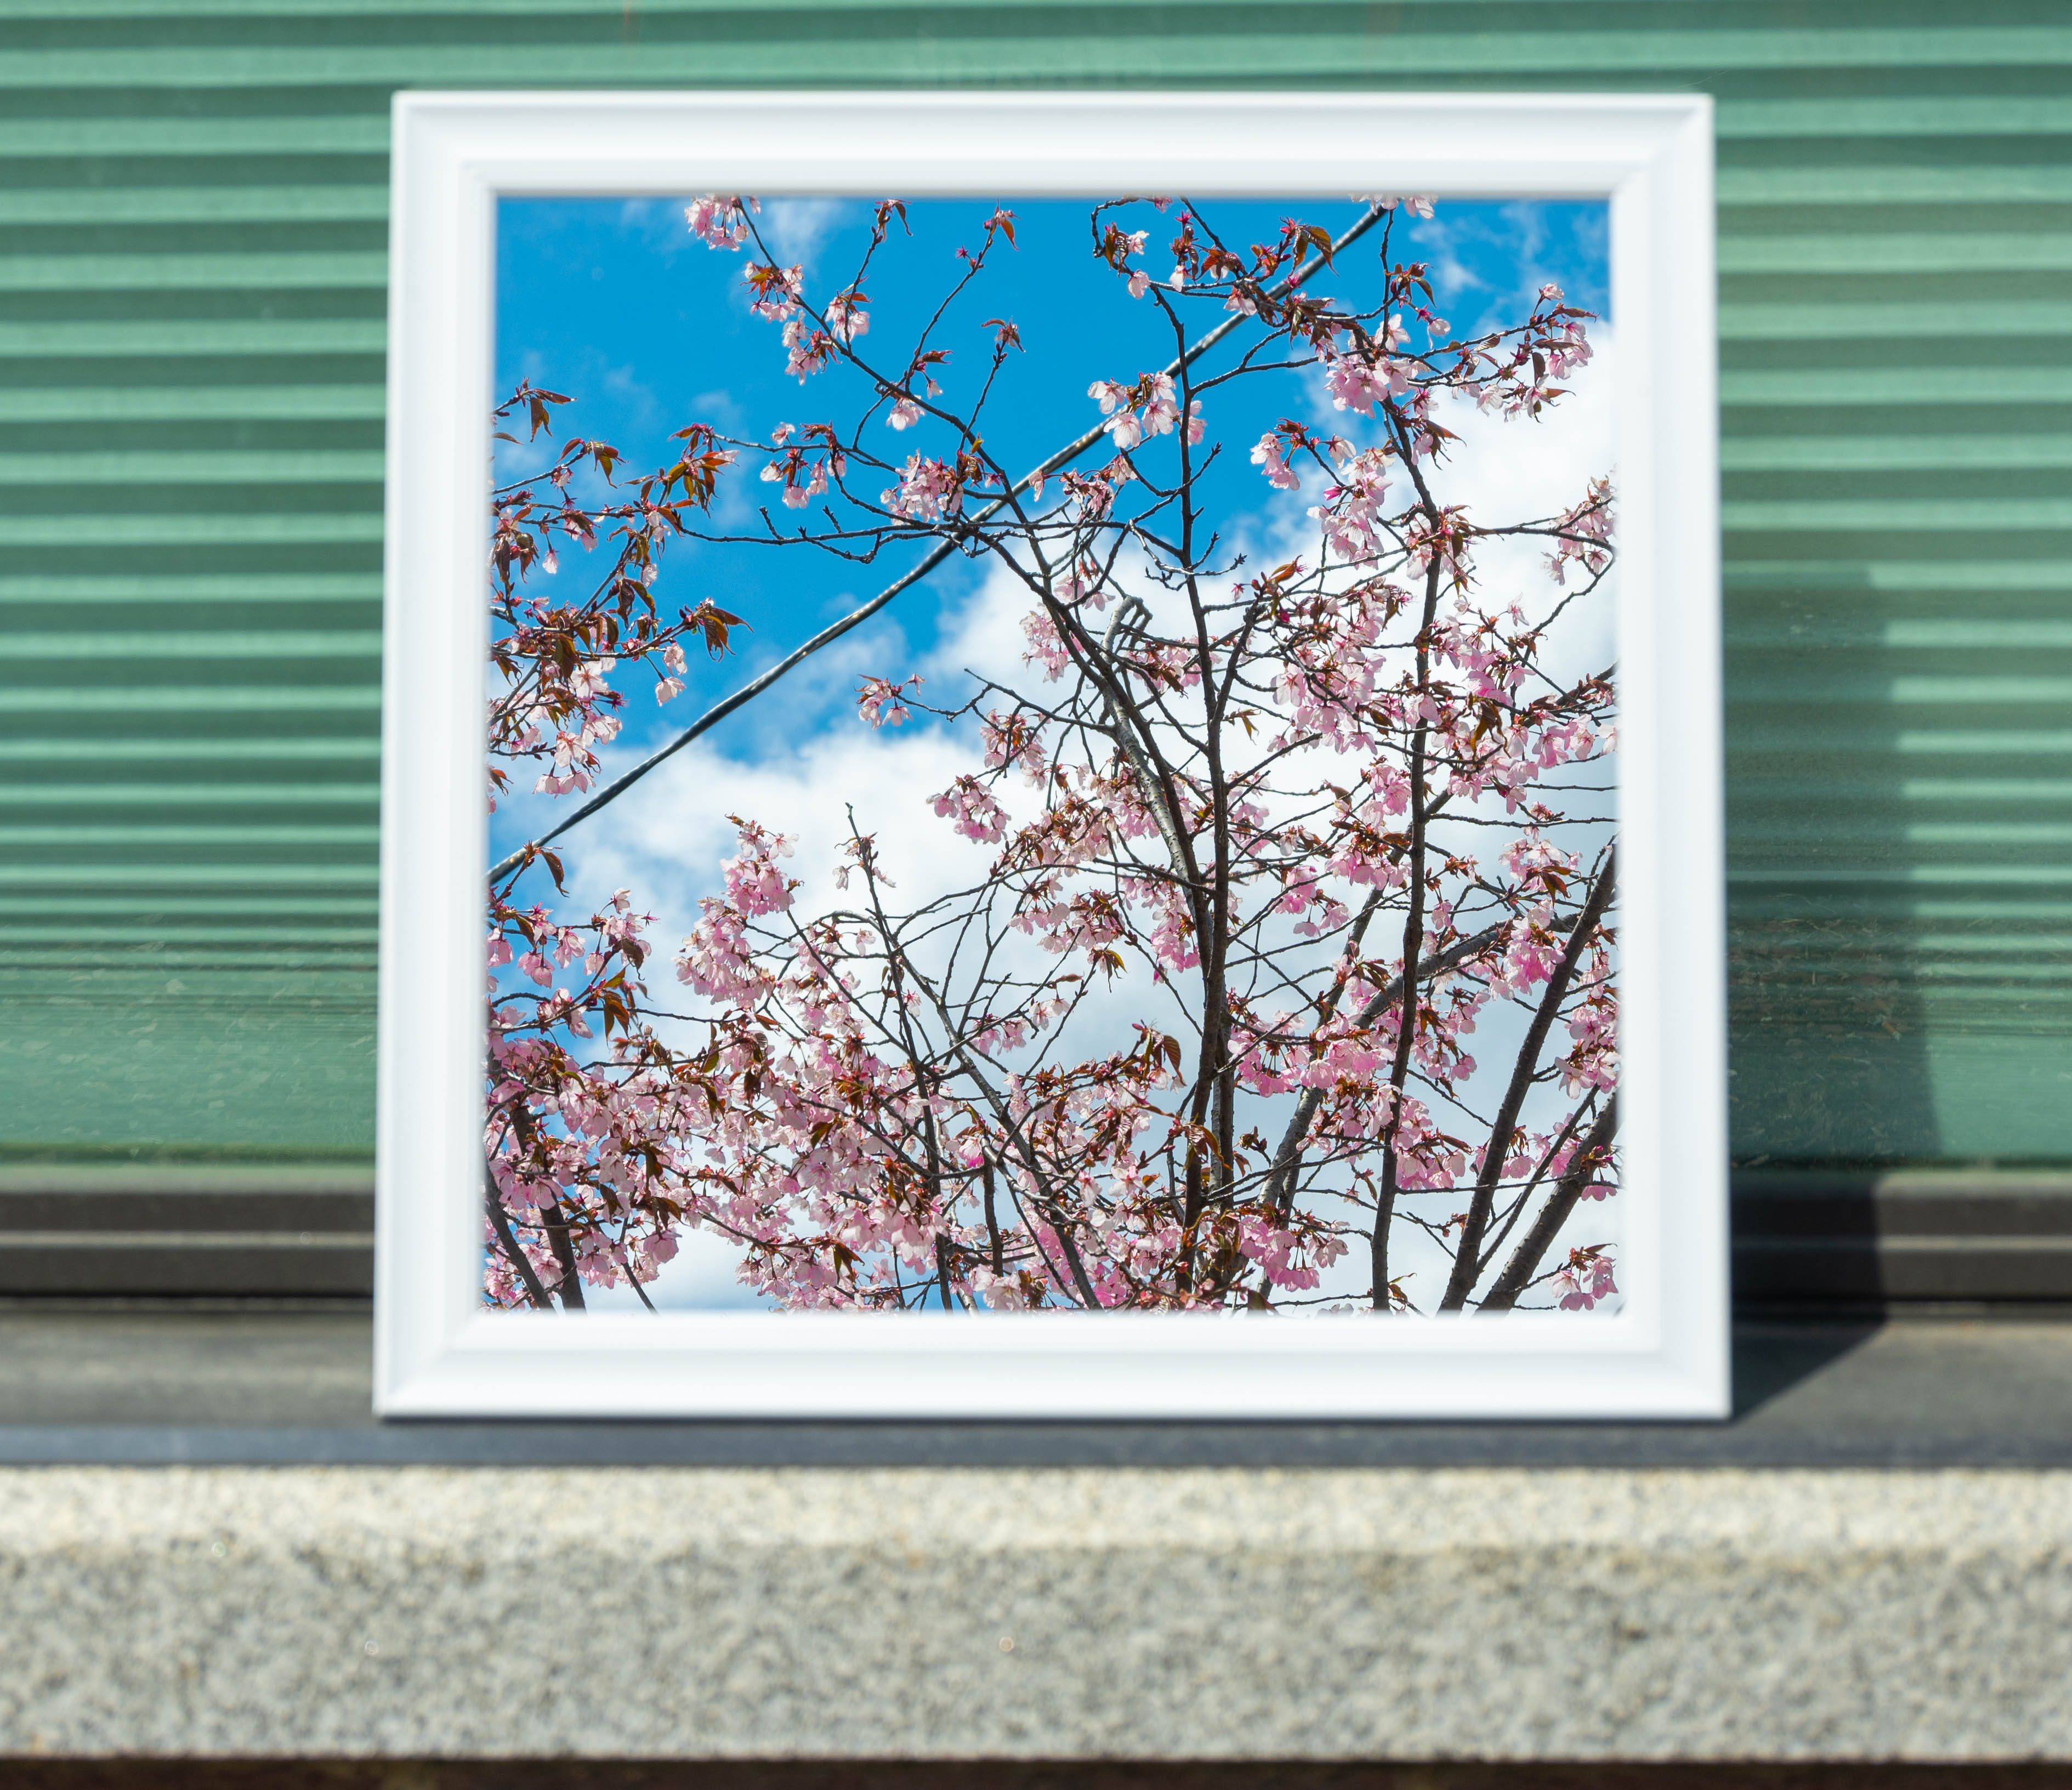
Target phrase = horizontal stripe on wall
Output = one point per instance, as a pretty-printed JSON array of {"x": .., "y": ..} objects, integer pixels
[{"x": 194, "y": 199}]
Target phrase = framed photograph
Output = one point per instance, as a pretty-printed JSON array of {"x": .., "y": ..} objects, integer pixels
[{"x": 1052, "y": 755}]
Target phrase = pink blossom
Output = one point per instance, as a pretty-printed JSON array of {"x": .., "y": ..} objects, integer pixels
[
  {"x": 1585, "y": 533},
  {"x": 970, "y": 809},
  {"x": 878, "y": 701},
  {"x": 754, "y": 882},
  {"x": 1044, "y": 647},
  {"x": 846, "y": 318},
  {"x": 1585, "y": 1279},
  {"x": 1270, "y": 453},
  {"x": 1162, "y": 409},
  {"x": 928, "y": 490},
  {"x": 1127, "y": 425},
  {"x": 1014, "y": 741},
  {"x": 720, "y": 221},
  {"x": 1353, "y": 382},
  {"x": 1417, "y": 205}
]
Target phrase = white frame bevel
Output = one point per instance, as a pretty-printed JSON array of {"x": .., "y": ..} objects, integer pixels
[{"x": 438, "y": 1352}]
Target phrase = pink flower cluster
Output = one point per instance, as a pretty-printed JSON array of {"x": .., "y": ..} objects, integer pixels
[
  {"x": 1269, "y": 452},
  {"x": 1584, "y": 534},
  {"x": 878, "y": 701},
  {"x": 1584, "y": 1280},
  {"x": 720, "y": 220},
  {"x": 1150, "y": 407},
  {"x": 929, "y": 491},
  {"x": 802, "y": 467}
]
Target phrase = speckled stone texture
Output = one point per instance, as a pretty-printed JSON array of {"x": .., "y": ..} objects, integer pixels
[{"x": 1497, "y": 1614}]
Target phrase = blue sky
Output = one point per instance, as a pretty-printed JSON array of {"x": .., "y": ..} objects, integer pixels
[{"x": 612, "y": 302}]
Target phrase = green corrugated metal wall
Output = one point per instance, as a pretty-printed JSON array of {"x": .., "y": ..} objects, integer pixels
[{"x": 192, "y": 197}]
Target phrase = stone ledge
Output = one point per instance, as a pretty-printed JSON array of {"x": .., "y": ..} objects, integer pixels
[
  {"x": 107, "y": 1386},
  {"x": 1499, "y": 1614}
]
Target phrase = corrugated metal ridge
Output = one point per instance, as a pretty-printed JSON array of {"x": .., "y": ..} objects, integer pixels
[
  {"x": 195, "y": 203},
  {"x": 1024, "y": 41}
]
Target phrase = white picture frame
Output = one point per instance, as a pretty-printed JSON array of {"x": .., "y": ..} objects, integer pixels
[{"x": 438, "y": 1352}]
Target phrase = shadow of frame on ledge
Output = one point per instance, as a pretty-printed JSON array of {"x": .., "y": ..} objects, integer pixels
[
  {"x": 1169, "y": 1321},
  {"x": 505, "y": 1774}
]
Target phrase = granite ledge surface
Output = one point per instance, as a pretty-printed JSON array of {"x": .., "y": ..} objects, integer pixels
[{"x": 1499, "y": 1613}]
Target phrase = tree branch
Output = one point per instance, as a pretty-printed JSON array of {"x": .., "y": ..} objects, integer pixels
[
  {"x": 1591, "y": 1155},
  {"x": 1287, "y": 1158},
  {"x": 569, "y": 1286},
  {"x": 500, "y": 1221},
  {"x": 1459, "y": 1283}
]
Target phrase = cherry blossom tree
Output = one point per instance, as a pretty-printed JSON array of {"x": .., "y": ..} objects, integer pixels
[{"x": 1261, "y": 856}]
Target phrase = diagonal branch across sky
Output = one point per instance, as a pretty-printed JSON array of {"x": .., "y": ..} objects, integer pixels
[{"x": 935, "y": 555}]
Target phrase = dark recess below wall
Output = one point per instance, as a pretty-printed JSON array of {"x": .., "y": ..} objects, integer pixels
[{"x": 1813, "y": 1240}]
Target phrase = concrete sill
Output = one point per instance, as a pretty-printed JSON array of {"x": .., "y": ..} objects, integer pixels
[
  {"x": 1873, "y": 1562},
  {"x": 1498, "y": 1613}
]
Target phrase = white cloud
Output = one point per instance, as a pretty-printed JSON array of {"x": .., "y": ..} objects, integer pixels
[
  {"x": 810, "y": 758},
  {"x": 703, "y": 1276},
  {"x": 661, "y": 224},
  {"x": 1507, "y": 471},
  {"x": 667, "y": 845},
  {"x": 1522, "y": 469}
]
